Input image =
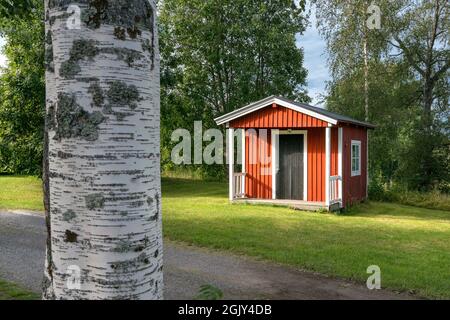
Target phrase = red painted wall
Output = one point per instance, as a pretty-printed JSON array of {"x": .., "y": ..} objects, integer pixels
[
  {"x": 258, "y": 183},
  {"x": 258, "y": 165},
  {"x": 277, "y": 117},
  {"x": 354, "y": 188},
  {"x": 316, "y": 164}
]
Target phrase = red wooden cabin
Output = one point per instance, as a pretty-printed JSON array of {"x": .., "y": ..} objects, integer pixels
[{"x": 296, "y": 154}]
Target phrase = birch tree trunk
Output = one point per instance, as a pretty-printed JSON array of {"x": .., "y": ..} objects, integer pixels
[{"x": 102, "y": 163}]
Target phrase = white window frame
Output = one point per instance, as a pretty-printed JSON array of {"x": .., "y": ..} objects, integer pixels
[{"x": 355, "y": 173}]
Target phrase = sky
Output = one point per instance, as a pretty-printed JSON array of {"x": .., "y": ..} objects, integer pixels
[
  {"x": 2, "y": 57},
  {"x": 315, "y": 61}
]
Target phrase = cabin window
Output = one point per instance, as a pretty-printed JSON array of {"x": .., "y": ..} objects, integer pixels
[{"x": 356, "y": 158}]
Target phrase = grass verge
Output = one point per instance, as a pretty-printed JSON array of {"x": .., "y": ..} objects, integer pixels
[{"x": 10, "y": 291}]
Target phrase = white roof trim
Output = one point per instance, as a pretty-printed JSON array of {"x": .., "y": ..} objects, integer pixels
[{"x": 264, "y": 103}]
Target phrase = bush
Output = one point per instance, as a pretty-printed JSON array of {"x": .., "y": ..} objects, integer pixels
[{"x": 434, "y": 199}]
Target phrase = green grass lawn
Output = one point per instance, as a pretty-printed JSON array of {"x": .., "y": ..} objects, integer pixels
[
  {"x": 21, "y": 193},
  {"x": 411, "y": 245},
  {"x": 10, "y": 291}
]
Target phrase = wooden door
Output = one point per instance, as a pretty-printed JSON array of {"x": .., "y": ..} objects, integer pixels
[{"x": 291, "y": 163}]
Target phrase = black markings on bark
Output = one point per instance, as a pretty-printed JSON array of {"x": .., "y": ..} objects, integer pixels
[
  {"x": 50, "y": 118},
  {"x": 61, "y": 176},
  {"x": 48, "y": 277},
  {"x": 133, "y": 32},
  {"x": 70, "y": 236},
  {"x": 119, "y": 33},
  {"x": 72, "y": 121},
  {"x": 96, "y": 13},
  {"x": 128, "y": 246},
  {"x": 49, "y": 63},
  {"x": 150, "y": 201},
  {"x": 157, "y": 202},
  {"x": 66, "y": 155},
  {"x": 150, "y": 47},
  {"x": 95, "y": 201},
  {"x": 127, "y": 55},
  {"x": 140, "y": 261}
]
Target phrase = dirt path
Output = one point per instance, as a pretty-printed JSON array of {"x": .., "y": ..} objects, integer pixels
[{"x": 22, "y": 247}]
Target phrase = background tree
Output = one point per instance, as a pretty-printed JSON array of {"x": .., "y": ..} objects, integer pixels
[
  {"x": 22, "y": 90},
  {"x": 420, "y": 32},
  {"x": 220, "y": 55},
  {"x": 101, "y": 153},
  {"x": 392, "y": 81}
]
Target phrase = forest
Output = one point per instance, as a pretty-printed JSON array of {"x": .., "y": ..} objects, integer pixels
[{"x": 217, "y": 56}]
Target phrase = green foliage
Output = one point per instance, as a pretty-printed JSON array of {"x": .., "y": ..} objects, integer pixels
[
  {"x": 209, "y": 292},
  {"x": 22, "y": 93},
  {"x": 221, "y": 55},
  {"x": 408, "y": 87},
  {"x": 434, "y": 199},
  {"x": 14, "y": 8}
]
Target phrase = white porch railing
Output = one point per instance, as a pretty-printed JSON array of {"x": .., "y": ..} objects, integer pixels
[
  {"x": 239, "y": 185},
  {"x": 335, "y": 195}
]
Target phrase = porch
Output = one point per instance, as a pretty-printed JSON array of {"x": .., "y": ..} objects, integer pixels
[{"x": 335, "y": 201}]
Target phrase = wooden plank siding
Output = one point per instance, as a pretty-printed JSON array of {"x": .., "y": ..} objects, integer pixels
[
  {"x": 354, "y": 188},
  {"x": 277, "y": 117},
  {"x": 258, "y": 164},
  {"x": 258, "y": 181}
]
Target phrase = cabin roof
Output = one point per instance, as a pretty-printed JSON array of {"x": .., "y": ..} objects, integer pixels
[{"x": 319, "y": 113}]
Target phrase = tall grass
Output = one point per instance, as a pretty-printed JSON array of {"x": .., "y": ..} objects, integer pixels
[{"x": 432, "y": 200}]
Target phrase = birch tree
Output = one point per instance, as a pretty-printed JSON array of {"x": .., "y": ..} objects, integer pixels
[
  {"x": 102, "y": 158},
  {"x": 351, "y": 45}
]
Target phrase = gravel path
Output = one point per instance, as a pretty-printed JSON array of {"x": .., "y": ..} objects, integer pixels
[{"x": 22, "y": 250}]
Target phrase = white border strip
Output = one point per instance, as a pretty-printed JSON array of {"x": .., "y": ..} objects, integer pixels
[
  {"x": 231, "y": 163},
  {"x": 276, "y": 156},
  {"x": 340, "y": 154},
  {"x": 327, "y": 165}
]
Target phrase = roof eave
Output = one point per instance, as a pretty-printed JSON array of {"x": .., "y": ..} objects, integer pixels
[
  {"x": 263, "y": 103},
  {"x": 361, "y": 124}
]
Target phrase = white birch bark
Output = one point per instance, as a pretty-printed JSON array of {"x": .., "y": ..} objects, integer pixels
[{"x": 102, "y": 177}]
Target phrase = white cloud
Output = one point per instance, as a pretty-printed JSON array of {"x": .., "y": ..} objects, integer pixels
[{"x": 315, "y": 60}]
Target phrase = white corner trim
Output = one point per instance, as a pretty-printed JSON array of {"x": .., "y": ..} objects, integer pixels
[
  {"x": 367, "y": 164},
  {"x": 230, "y": 155},
  {"x": 274, "y": 142},
  {"x": 340, "y": 155},
  {"x": 327, "y": 165},
  {"x": 244, "y": 132},
  {"x": 276, "y": 156}
]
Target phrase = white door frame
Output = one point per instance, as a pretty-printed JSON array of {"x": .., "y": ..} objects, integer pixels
[{"x": 276, "y": 156}]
